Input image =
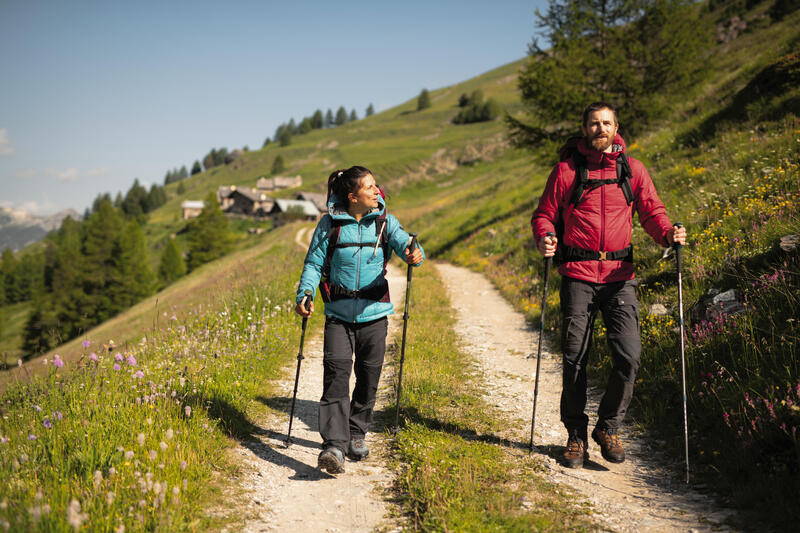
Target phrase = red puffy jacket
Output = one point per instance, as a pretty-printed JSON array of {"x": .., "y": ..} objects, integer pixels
[{"x": 602, "y": 220}]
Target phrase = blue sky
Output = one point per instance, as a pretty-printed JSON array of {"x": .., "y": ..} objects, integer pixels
[{"x": 95, "y": 94}]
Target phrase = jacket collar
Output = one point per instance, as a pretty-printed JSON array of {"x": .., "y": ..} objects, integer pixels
[{"x": 593, "y": 157}]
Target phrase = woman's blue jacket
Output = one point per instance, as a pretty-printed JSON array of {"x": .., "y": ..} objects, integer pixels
[{"x": 353, "y": 267}]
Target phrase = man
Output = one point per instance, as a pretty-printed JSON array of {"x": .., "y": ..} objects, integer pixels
[{"x": 591, "y": 194}]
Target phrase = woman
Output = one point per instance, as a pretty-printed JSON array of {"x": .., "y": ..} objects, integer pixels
[{"x": 348, "y": 253}]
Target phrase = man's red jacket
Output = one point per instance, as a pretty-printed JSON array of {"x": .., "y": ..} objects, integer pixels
[{"x": 602, "y": 220}]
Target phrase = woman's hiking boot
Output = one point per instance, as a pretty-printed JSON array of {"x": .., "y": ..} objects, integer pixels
[
  {"x": 358, "y": 449},
  {"x": 610, "y": 446},
  {"x": 332, "y": 460},
  {"x": 576, "y": 452}
]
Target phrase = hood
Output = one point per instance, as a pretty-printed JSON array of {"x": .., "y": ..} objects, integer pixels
[
  {"x": 337, "y": 210},
  {"x": 579, "y": 143}
]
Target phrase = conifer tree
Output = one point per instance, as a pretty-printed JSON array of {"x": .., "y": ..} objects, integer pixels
[
  {"x": 196, "y": 168},
  {"x": 423, "y": 100},
  {"x": 341, "y": 116},
  {"x": 277, "y": 165},
  {"x": 101, "y": 233},
  {"x": 181, "y": 188},
  {"x": 305, "y": 126},
  {"x": 630, "y": 53},
  {"x": 370, "y": 111},
  {"x": 9, "y": 272},
  {"x": 266, "y": 142},
  {"x": 172, "y": 266},
  {"x": 317, "y": 120},
  {"x": 132, "y": 278},
  {"x": 183, "y": 173},
  {"x": 209, "y": 235},
  {"x": 353, "y": 116},
  {"x": 329, "y": 121}
]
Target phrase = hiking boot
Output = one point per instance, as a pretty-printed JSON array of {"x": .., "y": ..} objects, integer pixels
[
  {"x": 332, "y": 460},
  {"x": 358, "y": 449},
  {"x": 610, "y": 446},
  {"x": 575, "y": 452}
]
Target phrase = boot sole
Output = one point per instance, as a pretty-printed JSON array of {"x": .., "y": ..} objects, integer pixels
[
  {"x": 330, "y": 464},
  {"x": 357, "y": 457},
  {"x": 575, "y": 464}
]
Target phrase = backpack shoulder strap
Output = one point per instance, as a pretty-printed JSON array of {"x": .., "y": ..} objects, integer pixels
[
  {"x": 382, "y": 234},
  {"x": 333, "y": 239},
  {"x": 581, "y": 176},
  {"x": 624, "y": 176}
]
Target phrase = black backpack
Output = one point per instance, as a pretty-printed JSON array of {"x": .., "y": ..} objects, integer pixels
[
  {"x": 582, "y": 185},
  {"x": 330, "y": 291}
]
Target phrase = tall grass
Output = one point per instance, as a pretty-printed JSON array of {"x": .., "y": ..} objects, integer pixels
[{"x": 129, "y": 438}]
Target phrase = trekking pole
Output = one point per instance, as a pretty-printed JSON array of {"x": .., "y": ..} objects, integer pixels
[
  {"x": 412, "y": 245},
  {"x": 678, "y": 263},
  {"x": 547, "y": 262},
  {"x": 300, "y": 358}
]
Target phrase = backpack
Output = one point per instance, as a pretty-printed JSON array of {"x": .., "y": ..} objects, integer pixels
[
  {"x": 331, "y": 292},
  {"x": 564, "y": 253}
]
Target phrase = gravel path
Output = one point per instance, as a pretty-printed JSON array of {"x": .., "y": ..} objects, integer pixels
[{"x": 641, "y": 494}]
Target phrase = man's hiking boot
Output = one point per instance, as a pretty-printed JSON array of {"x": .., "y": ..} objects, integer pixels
[
  {"x": 332, "y": 460},
  {"x": 610, "y": 446},
  {"x": 358, "y": 449},
  {"x": 575, "y": 452}
]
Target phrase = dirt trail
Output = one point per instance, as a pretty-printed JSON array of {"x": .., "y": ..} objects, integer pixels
[
  {"x": 283, "y": 489},
  {"x": 641, "y": 494}
]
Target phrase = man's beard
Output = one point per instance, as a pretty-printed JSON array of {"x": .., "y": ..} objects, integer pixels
[{"x": 601, "y": 143}]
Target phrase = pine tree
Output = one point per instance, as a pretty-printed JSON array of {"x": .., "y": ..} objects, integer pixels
[
  {"x": 208, "y": 161},
  {"x": 423, "y": 100},
  {"x": 370, "y": 111},
  {"x": 172, "y": 266},
  {"x": 132, "y": 278},
  {"x": 134, "y": 205},
  {"x": 285, "y": 138},
  {"x": 266, "y": 142},
  {"x": 196, "y": 168},
  {"x": 305, "y": 126},
  {"x": 209, "y": 235},
  {"x": 341, "y": 116},
  {"x": 9, "y": 272},
  {"x": 183, "y": 173},
  {"x": 277, "y": 165},
  {"x": 101, "y": 233},
  {"x": 317, "y": 120},
  {"x": 630, "y": 53},
  {"x": 353, "y": 116},
  {"x": 329, "y": 121}
]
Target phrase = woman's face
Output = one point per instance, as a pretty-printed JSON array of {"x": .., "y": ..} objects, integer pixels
[{"x": 367, "y": 196}]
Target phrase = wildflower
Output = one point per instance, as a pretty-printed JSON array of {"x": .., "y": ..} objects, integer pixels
[
  {"x": 182, "y": 381},
  {"x": 38, "y": 409},
  {"x": 116, "y": 366},
  {"x": 129, "y": 455},
  {"x": 140, "y": 439},
  {"x": 93, "y": 357},
  {"x": 46, "y": 423},
  {"x": 112, "y": 471},
  {"x": 57, "y": 415},
  {"x": 110, "y": 498},
  {"x": 98, "y": 478},
  {"x": 86, "y": 343},
  {"x": 139, "y": 374},
  {"x": 188, "y": 410},
  {"x": 131, "y": 360},
  {"x": 183, "y": 466},
  {"x": 74, "y": 515},
  {"x": 31, "y": 436},
  {"x": 163, "y": 446},
  {"x": 153, "y": 455},
  {"x": 23, "y": 458},
  {"x": 57, "y": 361},
  {"x": 3, "y": 440},
  {"x": 170, "y": 434},
  {"x": 726, "y": 417},
  {"x": 118, "y": 357}
]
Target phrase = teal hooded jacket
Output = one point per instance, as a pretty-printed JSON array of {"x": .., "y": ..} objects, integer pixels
[{"x": 354, "y": 267}]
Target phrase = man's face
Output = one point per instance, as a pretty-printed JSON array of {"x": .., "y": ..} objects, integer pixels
[{"x": 600, "y": 129}]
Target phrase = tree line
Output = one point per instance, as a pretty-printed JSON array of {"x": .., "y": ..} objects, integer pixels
[
  {"x": 284, "y": 133},
  {"x": 88, "y": 271}
]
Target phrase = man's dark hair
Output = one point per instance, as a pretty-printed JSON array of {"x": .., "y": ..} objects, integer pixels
[{"x": 597, "y": 106}]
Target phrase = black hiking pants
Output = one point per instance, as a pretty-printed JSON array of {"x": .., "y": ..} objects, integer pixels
[
  {"x": 580, "y": 302},
  {"x": 341, "y": 418}
]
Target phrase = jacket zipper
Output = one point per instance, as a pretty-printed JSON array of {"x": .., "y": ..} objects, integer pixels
[{"x": 358, "y": 270}]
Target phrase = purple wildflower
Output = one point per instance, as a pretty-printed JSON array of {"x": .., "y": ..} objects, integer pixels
[
  {"x": 57, "y": 361},
  {"x": 139, "y": 374},
  {"x": 38, "y": 409},
  {"x": 3, "y": 440},
  {"x": 86, "y": 343},
  {"x": 118, "y": 357},
  {"x": 46, "y": 422},
  {"x": 31, "y": 436},
  {"x": 93, "y": 357},
  {"x": 57, "y": 415},
  {"x": 131, "y": 360},
  {"x": 116, "y": 366}
]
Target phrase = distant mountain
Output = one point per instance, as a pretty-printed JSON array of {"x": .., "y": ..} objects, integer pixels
[{"x": 18, "y": 228}]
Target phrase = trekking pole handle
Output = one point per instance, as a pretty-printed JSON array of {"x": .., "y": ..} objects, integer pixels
[
  {"x": 306, "y": 298},
  {"x": 412, "y": 245},
  {"x": 678, "y": 249}
]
